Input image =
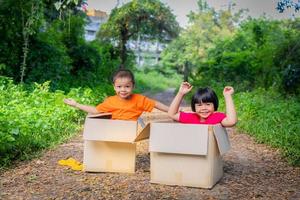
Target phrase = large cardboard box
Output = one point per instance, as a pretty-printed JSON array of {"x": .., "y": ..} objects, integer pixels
[
  {"x": 109, "y": 145},
  {"x": 187, "y": 154}
]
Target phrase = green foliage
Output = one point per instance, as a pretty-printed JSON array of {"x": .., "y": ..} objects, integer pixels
[
  {"x": 32, "y": 121},
  {"x": 54, "y": 47},
  {"x": 206, "y": 27},
  {"x": 59, "y": 53},
  {"x": 272, "y": 119},
  {"x": 262, "y": 53},
  {"x": 146, "y": 17},
  {"x": 48, "y": 58},
  {"x": 287, "y": 58},
  {"x": 148, "y": 81},
  {"x": 62, "y": 10},
  {"x": 17, "y": 22},
  {"x": 95, "y": 64},
  {"x": 31, "y": 19}
]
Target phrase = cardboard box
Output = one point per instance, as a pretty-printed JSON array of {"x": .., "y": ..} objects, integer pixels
[
  {"x": 187, "y": 154},
  {"x": 109, "y": 145}
]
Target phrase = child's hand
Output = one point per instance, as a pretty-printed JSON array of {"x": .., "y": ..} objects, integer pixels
[
  {"x": 228, "y": 90},
  {"x": 70, "y": 102},
  {"x": 185, "y": 88}
]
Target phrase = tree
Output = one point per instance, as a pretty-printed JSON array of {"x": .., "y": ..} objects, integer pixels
[
  {"x": 206, "y": 27},
  {"x": 19, "y": 21},
  {"x": 44, "y": 40},
  {"x": 262, "y": 53},
  {"x": 284, "y": 4},
  {"x": 30, "y": 22},
  {"x": 150, "y": 18}
]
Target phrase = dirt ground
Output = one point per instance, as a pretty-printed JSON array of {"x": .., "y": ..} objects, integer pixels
[{"x": 251, "y": 171}]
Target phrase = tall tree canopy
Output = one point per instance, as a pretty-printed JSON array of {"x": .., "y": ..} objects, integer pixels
[
  {"x": 147, "y": 17},
  {"x": 43, "y": 40},
  {"x": 206, "y": 27}
]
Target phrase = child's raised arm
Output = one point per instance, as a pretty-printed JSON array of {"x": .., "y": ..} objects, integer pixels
[
  {"x": 231, "y": 117},
  {"x": 185, "y": 88},
  {"x": 86, "y": 108}
]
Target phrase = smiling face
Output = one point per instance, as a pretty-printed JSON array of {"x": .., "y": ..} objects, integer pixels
[
  {"x": 204, "y": 110},
  {"x": 204, "y": 103},
  {"x": 123, "y": 87}
]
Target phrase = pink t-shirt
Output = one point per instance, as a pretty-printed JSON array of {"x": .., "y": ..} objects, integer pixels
[{"x": 193, "y": 118}]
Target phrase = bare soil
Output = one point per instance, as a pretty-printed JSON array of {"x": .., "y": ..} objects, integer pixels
[{"x": 251, "y": 171}]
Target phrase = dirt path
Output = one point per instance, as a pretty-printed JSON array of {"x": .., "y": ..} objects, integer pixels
[{"x": 251, "y": 171}]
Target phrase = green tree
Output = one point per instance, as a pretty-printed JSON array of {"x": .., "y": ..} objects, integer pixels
[
  {"x": 19, "y": 21},
  {"x": 206, "y": 27},
  {"x": 147, "y": 17},
  {"x": 30, "y": 18},
  {"x": 262, "y": 53},
  {"x": 20, "y": 24}
]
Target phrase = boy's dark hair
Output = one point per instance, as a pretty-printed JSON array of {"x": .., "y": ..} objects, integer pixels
[
  {"x": 205, "y": 95},
  {"x": 123, "y": 73}
]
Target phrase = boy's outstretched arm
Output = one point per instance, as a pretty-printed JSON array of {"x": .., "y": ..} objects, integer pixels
[
  {"x": 86, "y": 108},
  {"x": 160, "y": 106},
  {"x": 231, "y": 117},
  {"x": 185, "y": 88}
]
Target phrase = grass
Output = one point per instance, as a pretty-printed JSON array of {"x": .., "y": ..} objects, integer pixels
[
  {"x": 154, "y": 81},
  {"x": 271, "y": 119}
]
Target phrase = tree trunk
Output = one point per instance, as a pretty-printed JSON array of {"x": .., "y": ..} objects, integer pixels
[
  {"x": 138, "y": 47},
  {"x": 157, "y": 53},
  {"x": 25, "y": 53},
  {"x": 123, "y": 50},
  {"x": 186, "y": 72},
  {"x": 123, "y": 56}
]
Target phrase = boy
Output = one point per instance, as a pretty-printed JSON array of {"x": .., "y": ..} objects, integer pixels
[{"x": 124, "y": 105}]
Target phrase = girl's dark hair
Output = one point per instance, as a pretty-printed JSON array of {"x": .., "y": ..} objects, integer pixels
[
  {"x": 205, "y": 95},
  {"x": 123, "y": 73}
]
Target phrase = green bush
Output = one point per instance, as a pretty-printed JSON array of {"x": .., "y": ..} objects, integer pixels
[{"x": 32, "y": 121}]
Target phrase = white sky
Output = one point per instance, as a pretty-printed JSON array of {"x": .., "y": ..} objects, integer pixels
[{"x": 182, "y": 7}]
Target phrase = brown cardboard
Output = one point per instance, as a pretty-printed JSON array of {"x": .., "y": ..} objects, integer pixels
[
  {"x": 186, "y": 154},
  {"x": 109, "y": 144},
  {"x": 144, "y": 134}
]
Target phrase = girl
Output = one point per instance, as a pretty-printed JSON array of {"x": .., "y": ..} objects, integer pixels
[{"x": 204, "y": 105}]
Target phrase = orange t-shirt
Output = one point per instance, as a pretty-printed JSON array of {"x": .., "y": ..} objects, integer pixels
[{"x": 126, "y": 109}]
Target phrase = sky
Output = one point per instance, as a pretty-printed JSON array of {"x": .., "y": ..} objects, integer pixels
[{"x": 181, "y": 8}]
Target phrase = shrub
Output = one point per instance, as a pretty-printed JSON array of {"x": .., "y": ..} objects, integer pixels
[{"x": 32, "y": 121}]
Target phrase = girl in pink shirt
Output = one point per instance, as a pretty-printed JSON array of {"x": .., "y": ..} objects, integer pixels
[{"x": 204, "y": 105}]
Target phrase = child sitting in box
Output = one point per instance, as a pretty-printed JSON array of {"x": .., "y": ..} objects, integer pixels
[
  {"x": 204, "y": 106},
  {"x": 124, "y": 105}
]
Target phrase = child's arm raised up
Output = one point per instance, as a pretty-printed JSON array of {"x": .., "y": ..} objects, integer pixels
[
  {"x": 86, "y": 108},
  {"x": 185, "y": 88},
  {"x": 231, "y": 117}
]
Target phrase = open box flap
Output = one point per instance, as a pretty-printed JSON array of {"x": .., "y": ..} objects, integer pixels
[
  {"x": 179, "y": 138},
  {"x": 222, "y": 138},
  {"x": 109, "y": 130},
  {"x": 143, "y": 134}
]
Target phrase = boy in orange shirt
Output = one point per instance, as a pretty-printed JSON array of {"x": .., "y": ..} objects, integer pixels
[{"x": 124, "y": 105}]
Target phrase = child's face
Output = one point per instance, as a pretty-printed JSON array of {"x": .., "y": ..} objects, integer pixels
[
  {"x": 123, "y": 87},
  {"x": 204, "y": 109}
]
